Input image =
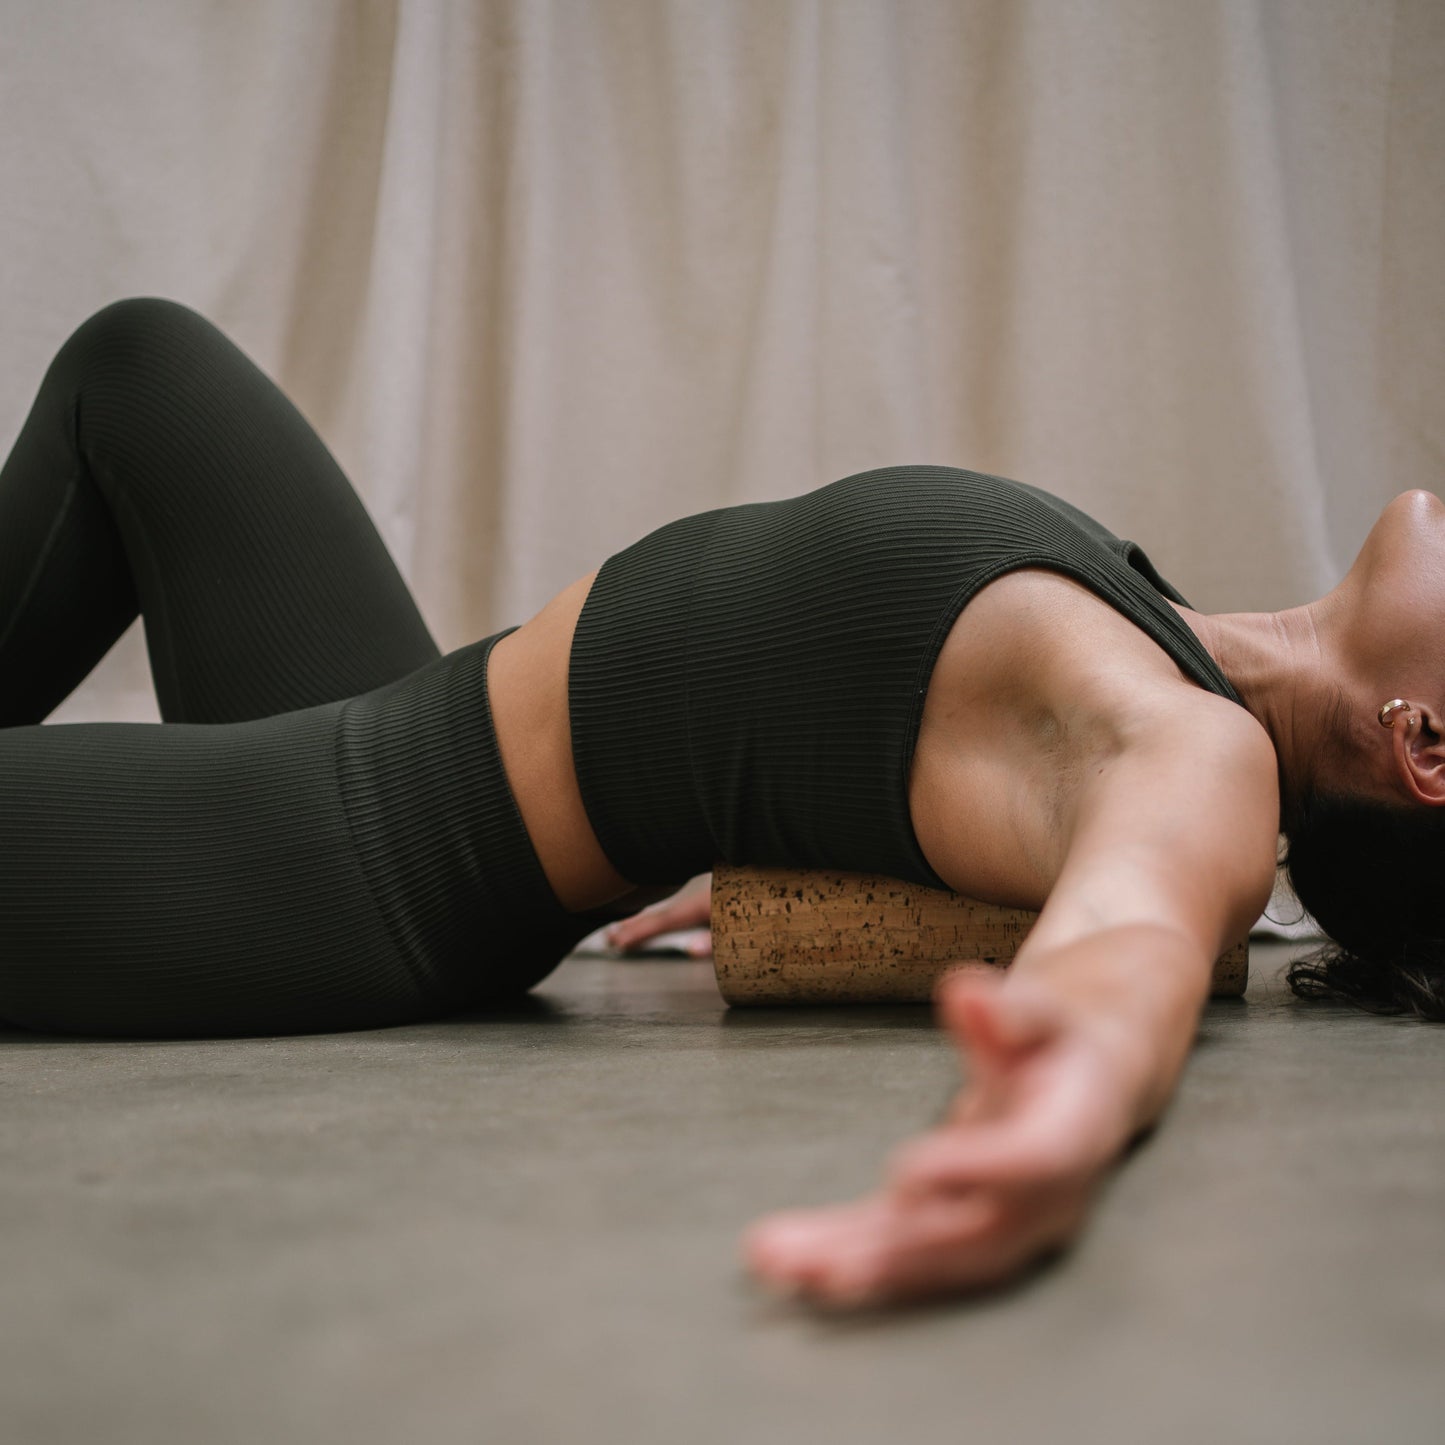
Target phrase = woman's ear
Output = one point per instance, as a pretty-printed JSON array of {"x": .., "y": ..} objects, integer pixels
[{"x": 1418, "y": 742}]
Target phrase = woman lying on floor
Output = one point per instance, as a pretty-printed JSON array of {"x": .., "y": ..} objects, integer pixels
[{"x": 919, "y": 672}]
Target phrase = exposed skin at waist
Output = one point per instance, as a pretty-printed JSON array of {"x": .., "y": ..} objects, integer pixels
[
  {"x": 527, "y": 691},
  {"x": 1029, "y": 692}
]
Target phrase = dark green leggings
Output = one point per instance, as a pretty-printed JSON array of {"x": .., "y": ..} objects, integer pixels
[{"x": 320, "y": 835}]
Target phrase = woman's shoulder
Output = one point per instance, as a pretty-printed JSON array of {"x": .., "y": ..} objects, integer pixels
[
  {"x": 1047, "y": 706},
  {"x": 1183, "y": 820}
]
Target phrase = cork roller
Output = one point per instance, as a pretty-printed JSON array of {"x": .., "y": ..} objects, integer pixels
[{"x": 784, "y": 936}]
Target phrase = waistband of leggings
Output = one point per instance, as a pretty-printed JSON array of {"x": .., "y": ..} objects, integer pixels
[{"x": 438, "y": 830}]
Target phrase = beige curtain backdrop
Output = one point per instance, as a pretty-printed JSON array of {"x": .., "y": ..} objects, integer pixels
[{"x": 545, "y": 274}]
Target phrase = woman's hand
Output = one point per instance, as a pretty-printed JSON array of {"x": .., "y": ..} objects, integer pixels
[
  {"x": 687, "y": 910},
  {"x": 1007, "y": 1177}
]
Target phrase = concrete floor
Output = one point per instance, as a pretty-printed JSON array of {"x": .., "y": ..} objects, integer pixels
[{"x": 522, "y": 1228}]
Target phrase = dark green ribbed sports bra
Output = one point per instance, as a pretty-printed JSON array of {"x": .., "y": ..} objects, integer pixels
[{"x": 747, "y": 684}]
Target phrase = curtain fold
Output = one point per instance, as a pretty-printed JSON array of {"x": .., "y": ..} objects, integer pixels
[{"x": 548, "y": 273}]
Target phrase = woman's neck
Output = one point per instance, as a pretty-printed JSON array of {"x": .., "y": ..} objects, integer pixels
[{"x": 1287, "y": 672}]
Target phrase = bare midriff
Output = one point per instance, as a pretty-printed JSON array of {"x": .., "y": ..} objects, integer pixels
[{"x": 527, "y": 691}]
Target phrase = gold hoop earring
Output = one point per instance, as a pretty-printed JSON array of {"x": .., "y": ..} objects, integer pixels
[{"x": 1386, "y": 712}]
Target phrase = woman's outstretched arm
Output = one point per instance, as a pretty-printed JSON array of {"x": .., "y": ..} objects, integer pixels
[{"x": 1079, "y": 1046}]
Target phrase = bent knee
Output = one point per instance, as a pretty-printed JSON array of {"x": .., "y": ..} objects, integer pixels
[{"x": 129, "y": 328}]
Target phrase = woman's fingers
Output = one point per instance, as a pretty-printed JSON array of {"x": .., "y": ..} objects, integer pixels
[
  {"x": 793, "y": 1249},
  {"x": 688, "y": 909},
  {"x": 1057, "y": 1115},
  {"x": 1005, "y": 1153},
  {"x": 995, "y": 1026},
  {"x": 888, "y": 1249},
  {"x": 936, "y": 1246},
  {"x": 994, "y": 1016}
]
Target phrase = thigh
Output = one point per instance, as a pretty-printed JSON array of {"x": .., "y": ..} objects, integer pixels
[
  {"x": 176, "y": 879},
  {"x": 349, "y": 865}
]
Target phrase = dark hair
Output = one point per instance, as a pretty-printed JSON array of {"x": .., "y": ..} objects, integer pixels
[{"x": 1373, "y": 876}]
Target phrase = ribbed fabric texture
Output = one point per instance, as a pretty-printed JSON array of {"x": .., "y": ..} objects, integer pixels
[
  {"x": 321, "y": 835},
  {"x": 748, "y": 684},
  {"x": 440, "y": 837},
  {"x": 160, "y": 468},
  {"x": 183, "y": 879}
]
